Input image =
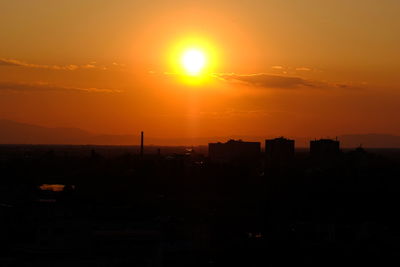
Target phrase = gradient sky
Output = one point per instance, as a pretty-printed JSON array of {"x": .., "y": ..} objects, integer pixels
[{"x": 295, "y": 68}]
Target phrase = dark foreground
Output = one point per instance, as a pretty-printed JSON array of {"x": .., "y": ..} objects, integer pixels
[{"x": 99, "y": 206}]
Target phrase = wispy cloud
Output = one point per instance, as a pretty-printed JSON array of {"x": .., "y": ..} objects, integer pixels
[
  {"x": 267, "y": 80},
  {"x": 8, "y": 62},
  {"x": 70, "y": 67},
  {"x": 272, "y": 81},
  {"x": 41, "y": 86},
  {"x": 303, "y": 69}
]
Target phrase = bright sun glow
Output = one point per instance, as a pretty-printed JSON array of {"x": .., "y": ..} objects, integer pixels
[{"x": 193, "y": 61}]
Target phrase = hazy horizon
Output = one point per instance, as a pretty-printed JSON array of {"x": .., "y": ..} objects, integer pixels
[{"x": 20, "y": 133}]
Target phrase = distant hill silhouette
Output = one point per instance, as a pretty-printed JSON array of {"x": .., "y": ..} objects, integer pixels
[
  {"x": 370, "y": 140},
  {"x": 12, "y": 132}
]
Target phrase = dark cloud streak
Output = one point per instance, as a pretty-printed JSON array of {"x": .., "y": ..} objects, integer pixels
[
  {"x": 6, "y": 62},
  {"x": 35, "y": 87},
  {"x": 268, "y": 80}
]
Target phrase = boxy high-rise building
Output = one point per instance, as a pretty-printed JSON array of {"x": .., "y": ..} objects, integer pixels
[
  {"x": 279, "y": 152},
  {"x": 234, "y": 150}
]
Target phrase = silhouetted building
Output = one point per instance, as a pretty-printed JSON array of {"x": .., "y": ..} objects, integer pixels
[
  {"x": 141, "y": 144},
  {"x": 233, "y": 150},
  {"x": 279, "y": 152},
  {"x": 324, "y": 148}
]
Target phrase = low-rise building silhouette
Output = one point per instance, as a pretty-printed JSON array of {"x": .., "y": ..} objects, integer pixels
[
  {"x": 233, "y": 150},
  {"x": 324, "y": 148},
  {"x": 279, "y": 152}
]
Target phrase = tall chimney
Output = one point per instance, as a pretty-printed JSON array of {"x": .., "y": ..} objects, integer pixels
[{"x": 141, "y": 144}]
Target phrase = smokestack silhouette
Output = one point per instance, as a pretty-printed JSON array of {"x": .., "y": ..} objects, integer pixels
[{"x": 141, "y": 144}]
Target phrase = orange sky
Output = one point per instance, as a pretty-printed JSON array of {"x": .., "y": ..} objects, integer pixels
[{"x": 294, "y": 68}]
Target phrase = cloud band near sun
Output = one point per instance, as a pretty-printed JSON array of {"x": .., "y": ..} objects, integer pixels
[{"x": 265, "y": 80}]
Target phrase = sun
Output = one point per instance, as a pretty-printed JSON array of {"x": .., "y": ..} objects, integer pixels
[{"x": 193, "y": 61}]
